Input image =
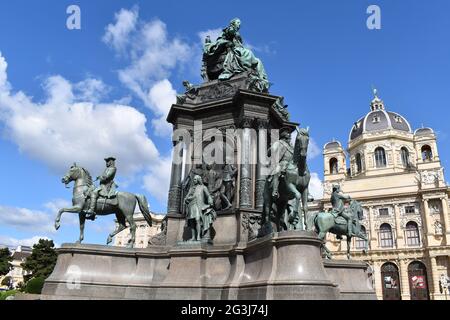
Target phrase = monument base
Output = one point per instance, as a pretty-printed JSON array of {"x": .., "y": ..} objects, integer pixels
[{"x": 284, "y": 265}]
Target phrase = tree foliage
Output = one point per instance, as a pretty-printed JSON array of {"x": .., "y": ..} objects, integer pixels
[
  {"x": 41, "y": 261},
  {"x": 35, "y": 285},
  {"x": 5, "y": 259}
]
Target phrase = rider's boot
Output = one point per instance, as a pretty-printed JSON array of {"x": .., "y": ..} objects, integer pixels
[{"x": 91, "y": 212}]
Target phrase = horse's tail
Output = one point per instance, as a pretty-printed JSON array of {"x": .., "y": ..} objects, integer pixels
[{"x": 143, "y": 206}]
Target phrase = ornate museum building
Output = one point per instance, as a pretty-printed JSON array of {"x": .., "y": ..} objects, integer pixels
[{"x": 396, "y": 174}]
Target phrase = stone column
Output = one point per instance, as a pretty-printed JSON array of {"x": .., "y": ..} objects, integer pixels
[
  {"x": 433, "y": 274},
  {"x": 245, "y": 187},
  {"x": 446, "y": 230},
  {"x": 400, "y": 238},
  {"x": 373, "y": 234},
  {"x": 426, "y": 216},
  {"x": 174, "y": 202},
  {"x": 404, "y": 281},
  {"x": 378, "y": 280},
  {"x": 262, "y": 149}
]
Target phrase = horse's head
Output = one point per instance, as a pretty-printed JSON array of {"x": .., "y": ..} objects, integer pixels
[
  {"x": 302, "y": 141},
  {"x": 71, "y": 175}
]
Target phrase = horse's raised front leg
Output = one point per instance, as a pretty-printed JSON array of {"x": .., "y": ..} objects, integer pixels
[{"x": 75, "y": 209}]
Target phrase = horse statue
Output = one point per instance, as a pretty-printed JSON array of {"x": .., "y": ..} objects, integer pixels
[
  {"x": 293, "y": 190},
  {"x": 326, "y": 222},
  {"x": 122, "y": 205}
]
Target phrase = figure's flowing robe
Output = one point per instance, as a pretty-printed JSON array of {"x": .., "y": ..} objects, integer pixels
[{"x": 238, "y": 58}]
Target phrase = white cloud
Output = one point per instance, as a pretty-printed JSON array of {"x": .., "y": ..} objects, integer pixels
[
  {"x": 26, "y": 219},
  {"x": 60, "y": 131},
  {"x": 315, "y": 186},
  {"x": 116, "y": 35},
  {"x": 162, "y": 96},
  {"x": 153, "y": 57},
  {"x": 157, "y": 180},
  {"x": 212, "y": 33},
  {"x": 313, "y": 149},
  {"x": 13, "y": 242},
  {"x": 91, "y": 89},
  {"x": 4, "y": 86}
]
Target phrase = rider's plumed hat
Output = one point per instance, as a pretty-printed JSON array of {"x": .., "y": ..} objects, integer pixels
[{"x": 110, "y": 158}]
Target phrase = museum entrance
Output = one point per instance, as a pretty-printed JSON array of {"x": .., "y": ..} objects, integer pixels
[
  {"x": 390, "y": 281},
  {"x": 418, "y": 286}
]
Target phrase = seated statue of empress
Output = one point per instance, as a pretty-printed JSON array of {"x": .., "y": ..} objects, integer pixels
[{"x": 227, "y": 56}]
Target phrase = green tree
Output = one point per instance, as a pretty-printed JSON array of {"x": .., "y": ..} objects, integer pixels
[
  {"x": 41, "y": 261},
  {"x": 5, "y": 259}
]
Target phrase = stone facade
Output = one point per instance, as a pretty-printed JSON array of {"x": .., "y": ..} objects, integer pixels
[
  {"x": 397, "y": 175},
  {"x": 19, "y": 255},
  {"x": 143, "y": 231}
]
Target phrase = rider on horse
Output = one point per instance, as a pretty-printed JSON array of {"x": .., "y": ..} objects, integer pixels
[
  {"x": 284, "y": 150},
  {"x": 337, "y": 201},
  {"x": 107, "y": 187}
]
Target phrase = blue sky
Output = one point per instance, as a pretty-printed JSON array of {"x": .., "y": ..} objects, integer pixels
[{"x": 80, "y": 95}]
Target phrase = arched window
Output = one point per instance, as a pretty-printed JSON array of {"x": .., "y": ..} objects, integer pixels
[
  {"x": 358, "y": 163},
  {"x": 386, "y": 239},
  {"x": 418, "y": 285},
  {"x": 427, "y": 154},
  {"x": 391, "y": 281},
  {"x": 412, "y": 234},
  {"x": 333, "y": 166},
  {"x": 380, "y": 157},
  {"x": 361, "y": 243},
  {"x": 405, "y": 156}
]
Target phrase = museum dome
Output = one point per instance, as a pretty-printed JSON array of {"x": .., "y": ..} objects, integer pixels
[{"x": 378, "y": 119}]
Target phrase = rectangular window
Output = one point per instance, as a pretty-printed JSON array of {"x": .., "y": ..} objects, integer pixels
[
  {"x": 360, "y": 243},
  {"x": 386, "y": 240},
  {"x": 410, "y": 210},
  {"x": 412, "y": 237},
  {"x": 384, "y": 211}
]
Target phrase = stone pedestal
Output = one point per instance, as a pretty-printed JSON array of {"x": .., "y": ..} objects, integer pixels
[{"x": 286, "y": 265}]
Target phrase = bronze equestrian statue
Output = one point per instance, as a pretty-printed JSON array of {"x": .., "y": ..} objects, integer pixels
[
  {"x": 287, "y": 185},
  {"x": 122, "y": 204},
  {"x": 337, "y": 221}
]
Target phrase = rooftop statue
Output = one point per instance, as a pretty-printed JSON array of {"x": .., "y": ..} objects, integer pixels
[
  {"x": 227, "y": 56},
  {"x": 85, "y": 202}
]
